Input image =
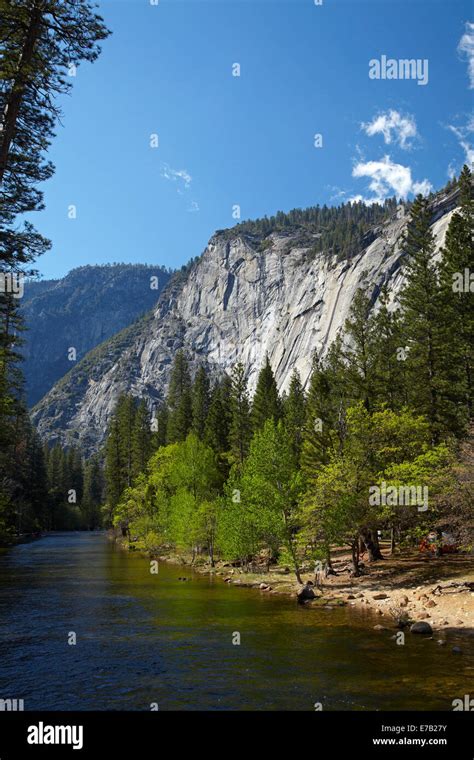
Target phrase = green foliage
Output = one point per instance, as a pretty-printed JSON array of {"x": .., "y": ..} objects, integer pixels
[
  {"x": 294, "y": 414},
  {"x": 179, "y": 400},
  {"x": 266, "y": 403},
  {"x": 338, "y": 231},
  {"x": 371, "y": 446},
  {"x": 240, "y": 424}
]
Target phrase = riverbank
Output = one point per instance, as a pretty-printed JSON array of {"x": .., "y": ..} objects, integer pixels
[
  {"x": 408, "y": 588},
  {"x": 23, "y": 538}
]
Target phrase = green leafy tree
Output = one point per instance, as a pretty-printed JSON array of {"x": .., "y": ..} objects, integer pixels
[{"x": 271, "y": 486}]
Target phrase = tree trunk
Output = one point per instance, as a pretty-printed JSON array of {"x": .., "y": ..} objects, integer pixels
[
  {"x": 15, "y": 97},
  {"x": 372, "y": 543},
  {"x": 355, "y": 558},
  {"x": 329, "y": 570},
  {"x": 211, "y": 554},
  {"x": 392, "y": 540}
]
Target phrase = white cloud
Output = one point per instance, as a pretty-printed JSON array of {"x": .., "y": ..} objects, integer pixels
[
  {"x": 393, "y": 126},
  {"x": 387, "y": 179},
  {"x": 181, "y": 176},
  {"x": 194, "y": 206},
  {"x": 462, "y": 134},
  {"x": 451, "y": 170},
  {"x": 466, "y": 46}
]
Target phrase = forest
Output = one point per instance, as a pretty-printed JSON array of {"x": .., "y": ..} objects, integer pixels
[{"x": 284, "y": 478}]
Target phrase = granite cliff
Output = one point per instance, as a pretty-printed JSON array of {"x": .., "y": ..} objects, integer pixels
[{"x": 246, "y": 296}]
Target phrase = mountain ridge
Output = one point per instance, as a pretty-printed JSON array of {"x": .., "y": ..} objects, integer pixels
[{"x": 236, "y": 302}]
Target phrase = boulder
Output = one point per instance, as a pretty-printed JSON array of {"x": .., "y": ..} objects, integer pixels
[
  {"x": 306, "y": 592},
  {"x": 380, "y": 596},
  {"x": 421, "y": 627}
]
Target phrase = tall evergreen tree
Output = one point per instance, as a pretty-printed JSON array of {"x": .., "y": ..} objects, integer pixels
[
  {"x": 326, "y": 405},
  {"x": 266, "y": 401},
  {"x": 360, "y": 350},
  {"x": 390, "y": 378},
  {"x": 200, "y": 402},
  {"x": 420, "y": 301},
  {"x": 240, "y": 426},
  {"x": 294, "y": 414},
  {"x": 218, "y": 420},
  {"x": 179, "y": 400},
  {"x": 93, "y": 489},
  {"x": 141, "y": 439},
  {"x": 457, "y": 305}
]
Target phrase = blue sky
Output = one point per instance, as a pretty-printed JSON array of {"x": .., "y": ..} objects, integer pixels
[{"x": 248, "y": 140}]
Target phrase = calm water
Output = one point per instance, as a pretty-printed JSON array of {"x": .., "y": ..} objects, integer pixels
[{"x": 145, "y": 638}]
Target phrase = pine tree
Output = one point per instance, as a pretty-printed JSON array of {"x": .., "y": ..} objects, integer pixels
[
  {"x": 240, "y": 426},
  {"x": 219, "y": 416},
  {"x": 390, "y": 380},
  {"x": 179, "y": 400},
  {"x": 92, "y": 499},
  {"x": 126, "y": 413},
  {"x": 420, "y": 301},
  {"x": 200, "y": 402},
  {"x": 360, "y": 351},
  {"x": 114, "y": 465},
  {"x": 36, "y": 480},
  {"x": 141, "y": 439},
  {"x": 74, "y": 473},
  {"x": 326, "y": 404},
  {"x": 159, "y": 426},
  {"x": 266, "y": 401},
  {"x": 457, "y": 307},
  {"x": 40, "y": 42},
  {"x": 294, "y": 414}
]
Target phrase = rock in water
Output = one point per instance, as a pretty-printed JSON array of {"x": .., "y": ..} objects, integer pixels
[
  {"x": 305, "y": 593},
  {"x": 421, "y": 627}
]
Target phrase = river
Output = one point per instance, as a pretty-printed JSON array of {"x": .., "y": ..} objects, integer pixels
[{"x": 145, "y": 639}]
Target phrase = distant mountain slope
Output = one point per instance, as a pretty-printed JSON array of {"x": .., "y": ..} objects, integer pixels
[
  {"x": 253, "y": 291},
  {"x": 79, "y": 311}
]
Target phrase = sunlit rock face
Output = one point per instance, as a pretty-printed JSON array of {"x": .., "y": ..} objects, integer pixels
[{"x": 237, "y": 303}]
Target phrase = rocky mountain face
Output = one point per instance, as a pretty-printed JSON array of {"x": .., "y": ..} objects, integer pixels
[
  {"x": 78, "y": 312},
  {"x": 238, "y": 302}
]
